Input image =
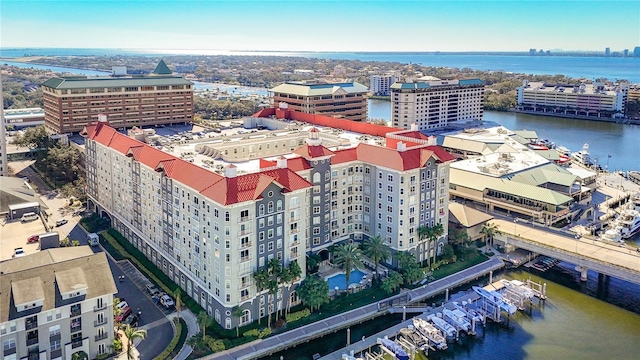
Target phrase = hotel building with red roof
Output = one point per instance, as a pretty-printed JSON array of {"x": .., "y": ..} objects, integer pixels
[{"x": 212, "y": 220}]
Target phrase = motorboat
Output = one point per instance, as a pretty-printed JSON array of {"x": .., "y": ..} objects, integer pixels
[
  {"x": 471, "y": 313},
  {"x": 613, "y": 235},
  {"x": 457, "y": 318},
  {"x": 563, "y": 151},
  {"x": 496, "y": 299},
  {"x": 583, "y": 157},
  {"x": 519, "y": 287},
  {"x": 628, "y": 223},
  {"x": 392, "y": 348},
  {"x": 443, "y": 326},
  {"x": 429, "y": 331}
]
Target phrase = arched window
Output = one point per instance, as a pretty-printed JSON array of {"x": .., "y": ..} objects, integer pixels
[
  {"x": 227, "y": 323},
  {"x": 316, "y": 178},
  {"x": 218, "y": 316},
  {"x": 246, "y": 317},
  {"x": 270, "y": 207},
  {"x": 261, "y": 209},
  {"x": 293, "y": 298},
  {"x": 279, "y": 205},
  {"x": 327, "y": 175}
]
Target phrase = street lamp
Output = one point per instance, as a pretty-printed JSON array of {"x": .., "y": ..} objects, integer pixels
[
  {"x": 577, "y": 239},
  {"x": 515, "y": 227}
]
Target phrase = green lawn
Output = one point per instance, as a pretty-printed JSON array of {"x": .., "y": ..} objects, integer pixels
[{"x": 471, "y": 259}]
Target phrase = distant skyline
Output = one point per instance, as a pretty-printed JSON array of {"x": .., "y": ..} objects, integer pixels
[{"x": 213, "y": 26}]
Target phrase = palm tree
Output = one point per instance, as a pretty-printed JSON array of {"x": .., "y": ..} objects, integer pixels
[
  {"x": 237, "y": 313},
  {"x": 176, "y": 295},
  {"x": 377, "y": 250},
  {"x": 489, "y": 230},
  {"x": 132, "y": 334},
  {"x": 262, "y": 281},
  {"x": 274, "y": 270},
  {"x": 294, "y": 272},
  {"x": 348, "y": 257},
  {"x": 435, "y": 233},
  {"x": 203, "y": 321}
]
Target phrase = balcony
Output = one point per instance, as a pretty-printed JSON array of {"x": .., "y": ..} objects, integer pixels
[
  {"x": 244, "y": 245},
  {"x": 32, "y": 340},
  {"x": 245, "y": 258},
  {"x": 244, "y": 232},
  {"x": 101, "y": 307},
  {"x": 245, "y": 297},
  {"x": 76, "y": 344},
  {"x": 294, "y": 231},
  {"x": 99, "y": 322},
  {"x": 244, "y": 219},
  {"x": 101, "y": 336}
]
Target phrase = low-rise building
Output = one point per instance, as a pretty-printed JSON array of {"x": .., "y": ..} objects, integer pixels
[
  {"x": 56, "y": 303},
  {"x": 341, "y": 100},
  {"x": 595, "y": 99}
]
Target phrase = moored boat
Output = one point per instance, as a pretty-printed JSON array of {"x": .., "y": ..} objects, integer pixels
[
  {"x": 458, "y": 319},
  {"x": 429, "y": 331},
  {"x": 443, "y": 326},
  {"x": 583, "y": 157}
]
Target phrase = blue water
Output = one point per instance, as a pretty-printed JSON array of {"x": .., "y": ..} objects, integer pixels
[
  {"x": 58, "y": 69},
  {"x": 340, "y": 281},
  {"x": 572, "y": 66}
]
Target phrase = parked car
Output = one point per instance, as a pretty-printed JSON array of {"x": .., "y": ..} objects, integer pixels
[
  {"x": 61, "y": 222},
  {"x": 18, "y": 252},
  {"x": 124, "y": 313},
  {"x": 33, "y": 238},
  {"x": 122, "y": 304},
  {"x": 167, "y": 301},
  {"x": 131, "y": 320},
  {"x": 152, "y": 289}
]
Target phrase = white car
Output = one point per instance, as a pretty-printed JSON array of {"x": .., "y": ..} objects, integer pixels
[
  {"x": 167, "y": 301},
  {"x": 122, "y": 304},
  {"x": 18, "y": 252}
]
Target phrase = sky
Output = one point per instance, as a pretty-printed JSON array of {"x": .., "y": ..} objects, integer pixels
[{"x": 346, "y": 25}]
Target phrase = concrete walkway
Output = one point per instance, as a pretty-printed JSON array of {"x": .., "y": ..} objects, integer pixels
[
  {"x": 259, "y": 348},
  {"x": 192, "y": 329}
]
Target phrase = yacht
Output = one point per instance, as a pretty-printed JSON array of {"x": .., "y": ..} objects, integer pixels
[
  {"x": 519, "y": 287},
  {"x": 429, "y": 331},
  {"x": 613, "y": 235},
  {"x": 563, "y": 151},
  {"x": 458, "y": 318},
  {"x": 628, "y": 223},
  {"x": 583, "y": 157},
  {"x": 471, "y": 313},
  {"x": 444, "y": 326}
]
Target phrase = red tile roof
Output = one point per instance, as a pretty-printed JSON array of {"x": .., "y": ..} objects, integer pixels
[
  {"x": 392, "y": 158},
  {"x": 231, "y": 190},
  {"x": 212, "y": 185},
  {"x": 311, "y": 152}
]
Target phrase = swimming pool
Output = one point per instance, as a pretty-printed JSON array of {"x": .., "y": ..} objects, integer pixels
[{"x": 340, "y": 280}]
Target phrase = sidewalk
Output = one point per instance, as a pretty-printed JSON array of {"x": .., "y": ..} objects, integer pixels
[{"x": 193, "y": 329}]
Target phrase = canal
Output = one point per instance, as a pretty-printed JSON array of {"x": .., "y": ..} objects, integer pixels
[{"x": 593, "y": 320}]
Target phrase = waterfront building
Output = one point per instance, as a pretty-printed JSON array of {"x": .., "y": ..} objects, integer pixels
[
  {"x": 341, "y": 100},
  {"x": 57, "y": 303},
  {"x": 596, "y": 99},
  {"x": 19, "y": 118},
  {"x": 70, "y": 103},
  {"x": 634, "y": 93},
  {"x": 381, "y": 84},
  {"x": 432, "y": 103},
  {"x": 500, "y": 173},
  {"x": 217, "y": 211}
]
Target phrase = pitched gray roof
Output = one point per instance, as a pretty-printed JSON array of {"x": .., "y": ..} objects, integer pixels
[
  {"x": 74, "y": 264},
  {"x": 162, "y": 69}
]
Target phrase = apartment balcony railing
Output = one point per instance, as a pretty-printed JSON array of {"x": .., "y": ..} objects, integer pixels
[
  {"x": 101, "y": 307},
  {"x": 244, "y": 245},
  {"x": 100, "y": 322},
  {"x": 32, "y": 341},
  {"x": 101, "y": 336},
  {"x": 244, "y": 219}
]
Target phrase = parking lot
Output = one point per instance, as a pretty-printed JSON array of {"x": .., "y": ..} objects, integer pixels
[
  {"x": 14, "y": 234},
  {"x": 140, "y": 281}
]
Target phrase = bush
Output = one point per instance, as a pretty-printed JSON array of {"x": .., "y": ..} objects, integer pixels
[
  {"x": 216, "y": 345},
  {"x": 264, "y": 333},
  {"x": 251, "y": 333},
  {"x": 102, "y": 356},
  {"x": 167, "y": 353},
  {"x": 297, "y": 315}
]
